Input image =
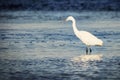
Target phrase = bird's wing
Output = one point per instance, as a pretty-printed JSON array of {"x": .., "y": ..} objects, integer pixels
[{"x": 88, "y": 38}]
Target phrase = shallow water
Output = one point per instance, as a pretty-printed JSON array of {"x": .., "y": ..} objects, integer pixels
[
  {"x": 60, "y": 68},
  {"x": 43, "y": 47}
]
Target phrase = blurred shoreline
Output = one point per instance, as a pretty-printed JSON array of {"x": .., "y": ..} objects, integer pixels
[{"x": 62, "y": 5}]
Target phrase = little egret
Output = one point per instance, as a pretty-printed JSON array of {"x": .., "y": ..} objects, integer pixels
[{"x": 86, "y": 37}]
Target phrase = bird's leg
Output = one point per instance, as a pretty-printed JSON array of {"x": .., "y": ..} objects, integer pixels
[
  {"x": 86, "y": 50},
  {"x": 90, "y": 50}
]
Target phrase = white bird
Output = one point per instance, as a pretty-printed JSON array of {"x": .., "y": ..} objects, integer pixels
[{"x": 86, "y": 37}]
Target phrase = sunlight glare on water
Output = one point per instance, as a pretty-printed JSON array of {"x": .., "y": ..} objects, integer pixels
[{"x": 85, "y": 58}]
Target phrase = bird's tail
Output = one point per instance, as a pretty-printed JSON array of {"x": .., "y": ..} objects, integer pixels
[{"x": 99, "y": 43}]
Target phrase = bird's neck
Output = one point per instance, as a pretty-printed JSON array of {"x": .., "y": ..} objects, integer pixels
[{"x": 74, "y": 26}]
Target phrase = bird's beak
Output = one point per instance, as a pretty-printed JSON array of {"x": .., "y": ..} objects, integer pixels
[{"x": 66, "y": 20}]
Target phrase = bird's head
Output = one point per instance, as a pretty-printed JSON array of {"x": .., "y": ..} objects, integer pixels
[{"x": 69, "y": 18}]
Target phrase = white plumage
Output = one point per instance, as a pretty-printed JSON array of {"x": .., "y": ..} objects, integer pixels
[{"x": 86, "y": 37}]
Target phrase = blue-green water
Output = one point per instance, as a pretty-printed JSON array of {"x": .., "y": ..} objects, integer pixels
[{"x": 41, "y": 46}]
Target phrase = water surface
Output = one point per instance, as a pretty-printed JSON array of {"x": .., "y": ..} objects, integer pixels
[{"x": 41, "y": 46}]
